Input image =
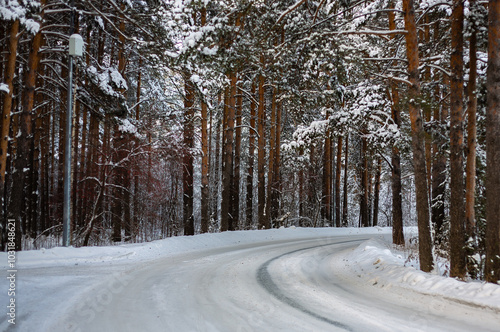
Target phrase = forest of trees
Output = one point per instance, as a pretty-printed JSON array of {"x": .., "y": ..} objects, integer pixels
[{"x": 216, "y": 115}]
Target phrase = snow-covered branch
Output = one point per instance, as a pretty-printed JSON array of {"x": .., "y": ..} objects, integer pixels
[{"x": 289, "y": 10}]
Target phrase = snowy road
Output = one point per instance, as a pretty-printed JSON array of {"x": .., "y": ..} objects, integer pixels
[
  {"x": 296, "y": 284},
  {"x": 283, "y": 286}
]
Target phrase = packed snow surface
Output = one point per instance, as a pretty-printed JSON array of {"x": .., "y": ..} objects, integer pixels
[{"x": 294, "y": 279}]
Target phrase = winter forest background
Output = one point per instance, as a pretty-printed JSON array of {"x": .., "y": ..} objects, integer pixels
[{"x": 208, "y": 116}]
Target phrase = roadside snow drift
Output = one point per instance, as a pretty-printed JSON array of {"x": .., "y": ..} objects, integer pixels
[{"x": 374, "y": 262}]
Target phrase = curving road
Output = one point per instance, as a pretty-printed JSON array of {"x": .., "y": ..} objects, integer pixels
[{"x": 299, "y": 285}]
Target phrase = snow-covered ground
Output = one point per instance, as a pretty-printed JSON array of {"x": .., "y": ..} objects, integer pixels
[
  {"x": 377, "y": 264},
  {"x": 299, "y": 279}
]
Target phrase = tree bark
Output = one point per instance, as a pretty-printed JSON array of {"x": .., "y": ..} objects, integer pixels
[
  {"x": 457, "y": 207},
  {"x": 397, "y": 204},
  {"x": 117, "y": 198},
  {"x": 338, "y": 171},
  {"x": 237, "y": 159},
  {"x": 216, "y": 169},
  {"x": 5, "y": 122},
  {"x": 311, "y": 185},
  {"x": 7, "y": 102},
  {"x": 376, "y": 194},
  {"x": 365, "y": 222},
  {"x": 205, "y": 189},
  {"x": 439, "y": 162},
  {"x": 44, "y": 171},
  {"x": 418, "y": 139},
  {"x": 327, "y": 179},
  {"x": 24, "y": 155},
  {"x": 120, "y": 203},
  {"x": 188, "y": 218},
  {"x": 251, "y": 152},
  {"x": 492, "y": 268},
  {"x": 270, "y": 210},
  {"x": 345, "y": 221},
  {"x": 227, "y": 165},
  {"x": 302, "y": 186},
  {"x": 470, "y": 168},
  {"x": 137, "y": 170},
  {"x": 205, "y": 157},
  {"x": 397, "y": 208}
]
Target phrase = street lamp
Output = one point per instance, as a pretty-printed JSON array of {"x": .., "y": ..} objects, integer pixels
[{"x": 75, "y": 49}]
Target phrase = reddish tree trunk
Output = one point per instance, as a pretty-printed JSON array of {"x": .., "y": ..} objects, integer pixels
[
  {"x": 457, "y": 207},
  {"x": 24, "y": 143},
  {"x": 5, "y": 123},
  {"x": 492, "y": 268},
  {"x": 188, "y": 159},
  {"x": 470, "y": 169},
  {"x": 418, "y": 139},
  {"x": 7, "y": 104}
]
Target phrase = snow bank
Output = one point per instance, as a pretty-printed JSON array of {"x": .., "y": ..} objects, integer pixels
[
  {"x": 378, "y": 265},
  {"x": 140, "y": 252}
]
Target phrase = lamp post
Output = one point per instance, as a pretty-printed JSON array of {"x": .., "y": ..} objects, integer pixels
[{"x": 75, "y": 49}]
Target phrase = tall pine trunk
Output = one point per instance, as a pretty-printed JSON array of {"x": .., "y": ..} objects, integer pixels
[
  {"x": 270, "y": 209},
  {"x": 457, "y": 207},
  {"x": 418, "y": 139},
  {"x": 397, "y": 201},
  {"x": 5, "y": 123},
  {"x": 24, "y": 153},
  {"x": 188, "y": 218},
  {"x": 227, "y": 156},
  {"x": 470, "y": 168},
  {"x": 364, "y": 197},
  {"x": 376, "y": 195},
  {"x": 327, "y": 178},
  {"x": 397, "y": 205},
  {"x": 492, "y": 268}
]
